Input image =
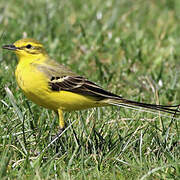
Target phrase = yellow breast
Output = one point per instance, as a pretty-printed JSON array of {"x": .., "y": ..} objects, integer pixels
[{"x": 33, "y": 83}]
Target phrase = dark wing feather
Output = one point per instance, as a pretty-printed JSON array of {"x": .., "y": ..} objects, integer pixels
[{"x": 80, "y": 85}]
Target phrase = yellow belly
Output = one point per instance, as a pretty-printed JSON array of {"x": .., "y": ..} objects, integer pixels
[
  {"x": 35, "y": 86},
  {"x": 63, "y": 100}
]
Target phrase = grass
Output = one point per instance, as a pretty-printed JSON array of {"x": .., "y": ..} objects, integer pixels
[{"x": 129, "y": 47}]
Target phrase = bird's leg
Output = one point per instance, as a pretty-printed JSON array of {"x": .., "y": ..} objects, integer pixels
[
  {"x": 61, "y": 129},
  {"x": 61, "y": 121},
  {"x": 59, "y": 112}
]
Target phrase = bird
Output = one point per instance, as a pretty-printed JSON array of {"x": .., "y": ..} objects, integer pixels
[{"x": 54, "y": 86}]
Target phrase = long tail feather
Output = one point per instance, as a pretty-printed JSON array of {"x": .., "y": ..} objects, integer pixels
[{"x": 174, "y": 110}]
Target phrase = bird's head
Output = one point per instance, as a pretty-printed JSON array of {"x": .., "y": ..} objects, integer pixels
[{"x": 27, "y": 49}]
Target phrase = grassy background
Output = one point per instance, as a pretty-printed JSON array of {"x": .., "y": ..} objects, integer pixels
[{"x": 129, "y": 47}]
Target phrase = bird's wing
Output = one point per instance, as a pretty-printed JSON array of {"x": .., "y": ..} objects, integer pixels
[
  {"x": 79, "y": 85},
  {"x": 61, "y": 78}
]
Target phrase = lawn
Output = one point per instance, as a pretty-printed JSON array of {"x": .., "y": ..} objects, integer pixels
[{"x": 131, "y": 48}]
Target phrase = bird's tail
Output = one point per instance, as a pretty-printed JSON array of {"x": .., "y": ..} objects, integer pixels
[{"x": 174, "y": 110}]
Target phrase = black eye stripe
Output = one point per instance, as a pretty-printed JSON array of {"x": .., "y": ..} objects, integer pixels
[
  {"x": 32, "y": 49},
  {"x": 29, "y": 46}
]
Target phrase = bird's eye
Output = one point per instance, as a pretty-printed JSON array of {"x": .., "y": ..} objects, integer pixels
[{"x": 29, "y": 46}]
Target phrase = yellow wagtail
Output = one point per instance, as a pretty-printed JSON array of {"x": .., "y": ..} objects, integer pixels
[{"x": 55, "y": 87}]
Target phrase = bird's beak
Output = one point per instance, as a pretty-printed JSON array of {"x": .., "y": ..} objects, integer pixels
[{"x": 10, "y": 47}]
